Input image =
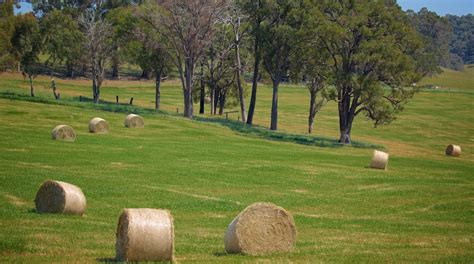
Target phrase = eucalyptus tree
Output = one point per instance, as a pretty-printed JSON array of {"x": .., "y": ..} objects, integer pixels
[
  {"x": 373, "y": 57},
  {"x": 279, "y": 42},
  {"x": 26, "y": 45},
  {"x": 187, "y": 26},
  {"x": 98, "y": 34},
  {"x": 256, "y": 12},
  {"x": 63, "y": 40}
]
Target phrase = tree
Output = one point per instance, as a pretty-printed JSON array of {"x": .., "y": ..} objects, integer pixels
[
  {"x": 462, "y": 42},
  {"x": 437, "y": 34},
  {"x": 187, "y": 27},
  {"x": 63, "y": 40},
  {"x": 255, "y": 11},
  {"x": 278, "y": 43},
  {"x": 6, "y": 30},
  {"x": 97, "y": 33},
  {"x": 373, "y": 57},
  {"x": 234, "y": 18},
  {"x": 123, "y": 23},
  {"x": 26, "y": 41},
  {"x": 151, "y": 54},
  {"x": 311, "y": 63}
]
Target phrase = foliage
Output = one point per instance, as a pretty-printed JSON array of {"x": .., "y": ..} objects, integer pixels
[
  {"x": 63, "y": 40},
  {"x": 6, "y": 30},
  {"x": 26, "y": 42},
  {"x": 462, "y": 42},
  {"x": 374, "y": 57}
]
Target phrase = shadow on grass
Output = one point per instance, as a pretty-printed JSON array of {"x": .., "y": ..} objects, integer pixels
[
  {"x": 83, "y": 102},
  {"x": 107, "y": 260},
  {"x": 239, "y": 127},
  {"x": 262, "y": 132}
]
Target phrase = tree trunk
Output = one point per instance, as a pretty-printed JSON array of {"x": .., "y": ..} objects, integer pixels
[
  {"x": 274, "y": 116},
  {"x": 346, "y": 117},
  {"x": 222, "y": 103},
  {"x": 158, "y": 89},
  {"x": 239, "y": 85},
  {"x": 70, "y": 70},
  {"x": 312, "y": 111},
  {"x": 32, "y": 90},
  {"x": 253, "y": 98},
  {"x": 213, "y": 97},
  {"x": 145, "y": 74},
  {"x": 188, "y": 91},
  {"x": 115, "y": 64},
  {"x": 203, "y": 92}
]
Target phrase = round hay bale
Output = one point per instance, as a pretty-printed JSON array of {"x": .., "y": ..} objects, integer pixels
[
  {"x": 379, "y": 160},
  {"x": 261, "y": 228},
  {"x": 453, "y": 150},
  {"x": 145, "y": 235},
  {"x": 98, "y": 125},
  {"x": 134, "y": 121},
  {"x": 60, "y": 197},
  {"x": 64, "y": 133}
]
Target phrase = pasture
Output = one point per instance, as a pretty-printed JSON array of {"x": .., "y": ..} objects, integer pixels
[{"x": 207, "y": 170}]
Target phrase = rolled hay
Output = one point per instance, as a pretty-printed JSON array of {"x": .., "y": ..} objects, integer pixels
[
  {"x": 134, "y": 121},
  {"x": 60, "y": 197},
  {"x": 98, "y": 125},
  {"x": 145, "y": 235},
  {"x": 259, "y": 229},
  {"x": 64, "y": 133},
  {"x": 379, "y": 160},
  {"x": 453, "y": 150}
]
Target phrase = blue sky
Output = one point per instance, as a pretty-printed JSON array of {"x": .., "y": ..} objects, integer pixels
[{"x": 442, "y": 7}]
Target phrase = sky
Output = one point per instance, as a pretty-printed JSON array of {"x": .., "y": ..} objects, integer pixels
[{"x": 442, "y": 7}]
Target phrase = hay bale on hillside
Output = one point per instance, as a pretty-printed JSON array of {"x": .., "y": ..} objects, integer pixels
[
  {"x": 134, "y": 121},
  {"x": 379, "y": 160},
  {"x": 453, "y": 150},
  {"x": 60, "y": 197},
  {"x": 261, "y": 228},
  {"x": 64, "y": 133},
  {"x": 145, "y": 235},
  {"x": 98, "y": 125}
]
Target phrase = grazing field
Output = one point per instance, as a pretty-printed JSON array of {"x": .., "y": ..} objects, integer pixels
[{"x": 419, "y": 210}]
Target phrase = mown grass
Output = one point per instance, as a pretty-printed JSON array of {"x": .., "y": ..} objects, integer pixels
[{"x": 206, "y": 171}]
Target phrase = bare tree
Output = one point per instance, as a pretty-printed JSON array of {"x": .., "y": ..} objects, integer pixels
[
  {"x": 97, "y": 32},
  {"x": 187, "y": 26},
  {"x": 235, "y": 18}
]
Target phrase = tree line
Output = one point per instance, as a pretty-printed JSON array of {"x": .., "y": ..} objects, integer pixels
[{"x": 364, "y": 55}]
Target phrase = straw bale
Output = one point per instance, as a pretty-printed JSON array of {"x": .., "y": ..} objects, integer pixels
[
  {"x": 64, "y": 133},
  {"x": 145, "y": 235},
  {"x": 259, "y": 229},
  {"x": 453, "y": 150},
  {"x": 379, "y": 160},
  {"x": 60, "y": 197},
  {"x": 98, "y": 125},
  {"x": 134, "y": 121}
]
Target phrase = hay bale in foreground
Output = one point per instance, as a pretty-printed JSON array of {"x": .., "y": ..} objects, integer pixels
[
  {"x": 379, "y": 160},
  {"x": 64, "y": 133},
  {"x": 453, "y": 150},
  {"x": 60, "y": 197},
  {"x": 134, "y": 121},
  {"x": 145, "y": 235},
  {"x": 261, "y": 228},
  {"x": 98, "y": 125}
]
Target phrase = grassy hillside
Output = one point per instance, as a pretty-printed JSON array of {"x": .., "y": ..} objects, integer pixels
[{"x": 421, "y": 209}]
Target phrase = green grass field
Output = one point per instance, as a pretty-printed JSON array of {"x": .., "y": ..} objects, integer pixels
[{"x": 420, "y": 210}]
